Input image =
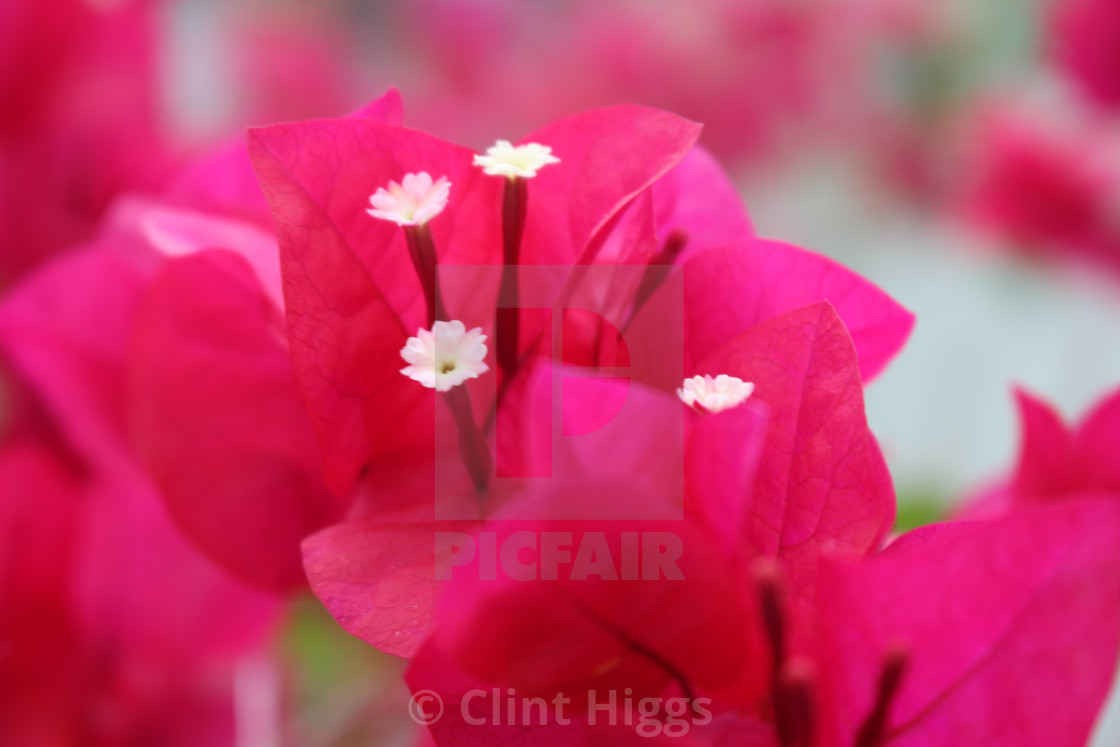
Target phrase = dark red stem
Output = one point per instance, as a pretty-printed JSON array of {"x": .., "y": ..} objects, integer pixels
[
  {"x": 873, "y": 732},
  {"x": 793, "y": 704},
  {"x": 472, "y": 444},
  {"x": 508, "y": 319},
  {"x": 792, "y": 680},
  {"x": 769, "y": 583},
  {"x": 422, "y": 250}
]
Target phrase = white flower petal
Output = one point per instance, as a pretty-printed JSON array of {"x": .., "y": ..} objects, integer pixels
[
  {"x": 445, "y": 356},
  {"x": 413, "y": 202},
  {"x": 712, "y": 395},
  {"x": 505, "y": 159}
]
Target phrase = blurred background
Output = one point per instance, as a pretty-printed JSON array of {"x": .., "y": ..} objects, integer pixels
[{"x": 964, "y": 155}]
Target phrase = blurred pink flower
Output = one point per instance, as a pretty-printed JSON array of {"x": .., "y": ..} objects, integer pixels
[
  {"x": 79, "y": 122},
  {"x": 1085, "y": 39},
  {"x": 113, "y": 629},
  {"x": 289, "y": 62},
  {"x": 752, "y": 72},
  {"x": 176, "y": 359},
  {"x": 1045, "y": 187}
]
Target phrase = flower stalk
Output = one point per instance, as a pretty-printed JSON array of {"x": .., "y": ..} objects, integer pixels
[
  {"x": 472, "y": 443},
  {"x": 508, "y": 318},
  {"x": 873, "y": 732},
  {"x": 793, "y": 680},
  {"x": 422, "y": 251}
]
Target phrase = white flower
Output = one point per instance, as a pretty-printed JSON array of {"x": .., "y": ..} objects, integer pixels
[
  {"x": 413, "y": 202},
  {"x": 707, "y": 394},
  {"x": 445, "y": 356},
  {"x": 504, "y": 159}
]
